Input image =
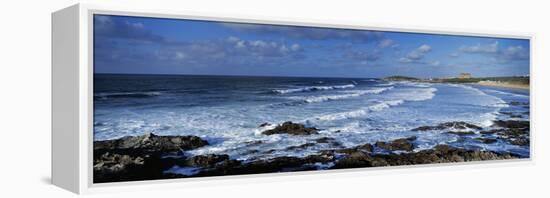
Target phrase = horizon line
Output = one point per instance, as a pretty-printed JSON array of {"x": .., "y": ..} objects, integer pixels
[{"x": 244, "y": 75}]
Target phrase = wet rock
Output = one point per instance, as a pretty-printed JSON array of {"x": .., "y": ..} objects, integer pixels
[
  {"x": 490, "y": 132},
  {"x": 398, "y": 144},
  {"x": 448, "y": 125},
  {"x": 512, "y": 114},
  {"x": 513, "y": 133},
  {"x": 328, "y": 140},
  {"x": 361, "y": 159},
  {"x": 111, "y": 167},
  {"x": 439, "y": 154},
  {"x": 272, "y": 165},
  {"x": 140, "y": 157},
  {"x": 520, "y": 141},
  {"x": 269, "y": 151},
  {"x": 324, "y": 140},
  {"x": 264, "y": 124},
  {"x": 150, "y": 143},
  {"x": 362, "y": 148},
  {"x": 114, "y": 163},
  {"x": 323, "y": 157},
  {"x": 302, "y": 146},
  {"x": 487, "y": 140},
  {"x": 291, "y": 128},
  {"x": 254, "y": 143},
  {"x": 250, "y": 152},
  {"x": 206, "y": 160},
  {"x": 512, "y": 124},
  {"x": 461, "y": 133},
  {"x": 516, "y": 103}
]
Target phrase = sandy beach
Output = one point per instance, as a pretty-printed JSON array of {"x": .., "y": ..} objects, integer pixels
[{"x": 503, "y": 84}]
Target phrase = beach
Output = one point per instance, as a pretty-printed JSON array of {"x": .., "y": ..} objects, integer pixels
[{"x": 503, "y": 84}]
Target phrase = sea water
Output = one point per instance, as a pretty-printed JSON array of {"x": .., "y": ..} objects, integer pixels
[{"x": 227, "y": 111}]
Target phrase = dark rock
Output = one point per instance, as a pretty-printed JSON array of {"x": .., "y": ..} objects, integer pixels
[
  {"x": 114, "y": 163},
  {"x": 254, "y": 143},
  {"x": 520, "y": 141},
  {"x": 270, "y": 151},
  {"x": 264, "y": 124},
  {"x": 291, "y": 128},
  {"x": 302, "y": 146},
  {"x": 515, "y": 124},
  {"x": 206, "y": 160},
  {"x": 272, "y": 165},
  {"x": 111, "y": 167},
  {"x": 151, "y": 143},
  {"x": 487, "y": 140},
  {"x": 514, "y": 133},
  {"x": 323, "y": 157},
  {"x": 490, "y": 131},
  {"x": 515, "y": 103},
  {"x": 324, "y": 140},
  {"x": 362, "y": 148},
  {"x": 439, "y": 154},
  {"x": 448, "y": 125},
  {"x": 360, "y": 159},
  {"x": 248, "y": 152},
  {"x": 461, "y": 132},
  {"x": 140, "y": 157},
  {"x": 398, "y": 144},
  {"x": 365, "y": 147}
]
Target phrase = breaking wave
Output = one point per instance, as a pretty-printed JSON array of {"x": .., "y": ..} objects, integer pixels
[{"x": 312, "y": 88}]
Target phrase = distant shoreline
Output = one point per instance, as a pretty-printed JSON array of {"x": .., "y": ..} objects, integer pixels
[
  {"x": 513, "y": 82},
  {"x": 503, "y": 85}
]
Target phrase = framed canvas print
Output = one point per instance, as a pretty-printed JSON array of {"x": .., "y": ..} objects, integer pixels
[{"x": 145, "y": 96}]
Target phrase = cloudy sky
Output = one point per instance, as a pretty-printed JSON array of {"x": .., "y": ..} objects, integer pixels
[{"x": 168, "y": 46}]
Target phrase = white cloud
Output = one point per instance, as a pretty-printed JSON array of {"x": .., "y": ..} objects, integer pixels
[
  {"x": 416, "y": 54},
  {"x": 479, "y": 48},
  {"x": 435, "y": 63},
  {"x": 387, "y": 43},
  {"x": 310, "y": 33},
  {"x": 496, "y": 52},
  {"x": 295, "y": 47},
  {"x": 515, "y": 52},
  {"x": 405, "y": 60}
]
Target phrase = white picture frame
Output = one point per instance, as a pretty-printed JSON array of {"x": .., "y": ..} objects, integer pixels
[{"x": 72, "y": 100}]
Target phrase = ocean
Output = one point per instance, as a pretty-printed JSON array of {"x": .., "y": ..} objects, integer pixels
[{"x": 227, "y": 111}]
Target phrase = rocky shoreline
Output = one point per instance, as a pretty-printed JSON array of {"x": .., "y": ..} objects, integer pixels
[{"x": 150, "y": 156}]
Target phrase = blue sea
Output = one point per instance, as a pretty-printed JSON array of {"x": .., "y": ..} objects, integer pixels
[{"x": 228, "y": 111}]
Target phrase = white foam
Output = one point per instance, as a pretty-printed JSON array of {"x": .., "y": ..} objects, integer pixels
[
  {"x": 496, "y": 101},
  {"x": 384, "y": 105},
  {"x": 351, "y": 94},
  {"x": 508, "y": 93},
  {"x": 313, "y": 88},
  {"x": 360, "y": 112}
]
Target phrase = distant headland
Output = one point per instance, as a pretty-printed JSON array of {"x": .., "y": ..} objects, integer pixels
[{"x": 518, "y": 82}]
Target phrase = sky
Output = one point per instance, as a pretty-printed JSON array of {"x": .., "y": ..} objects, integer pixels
[{"x": 141, "y": 45}]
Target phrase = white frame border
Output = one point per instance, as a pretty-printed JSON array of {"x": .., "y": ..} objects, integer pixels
[{"x": 86, "y": 104}]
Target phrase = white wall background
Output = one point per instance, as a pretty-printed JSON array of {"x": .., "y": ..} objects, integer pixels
[{"x": 25, "y": 98}]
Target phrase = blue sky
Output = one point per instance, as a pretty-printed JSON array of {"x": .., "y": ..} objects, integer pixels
[{"x": 169, "y": 46}]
